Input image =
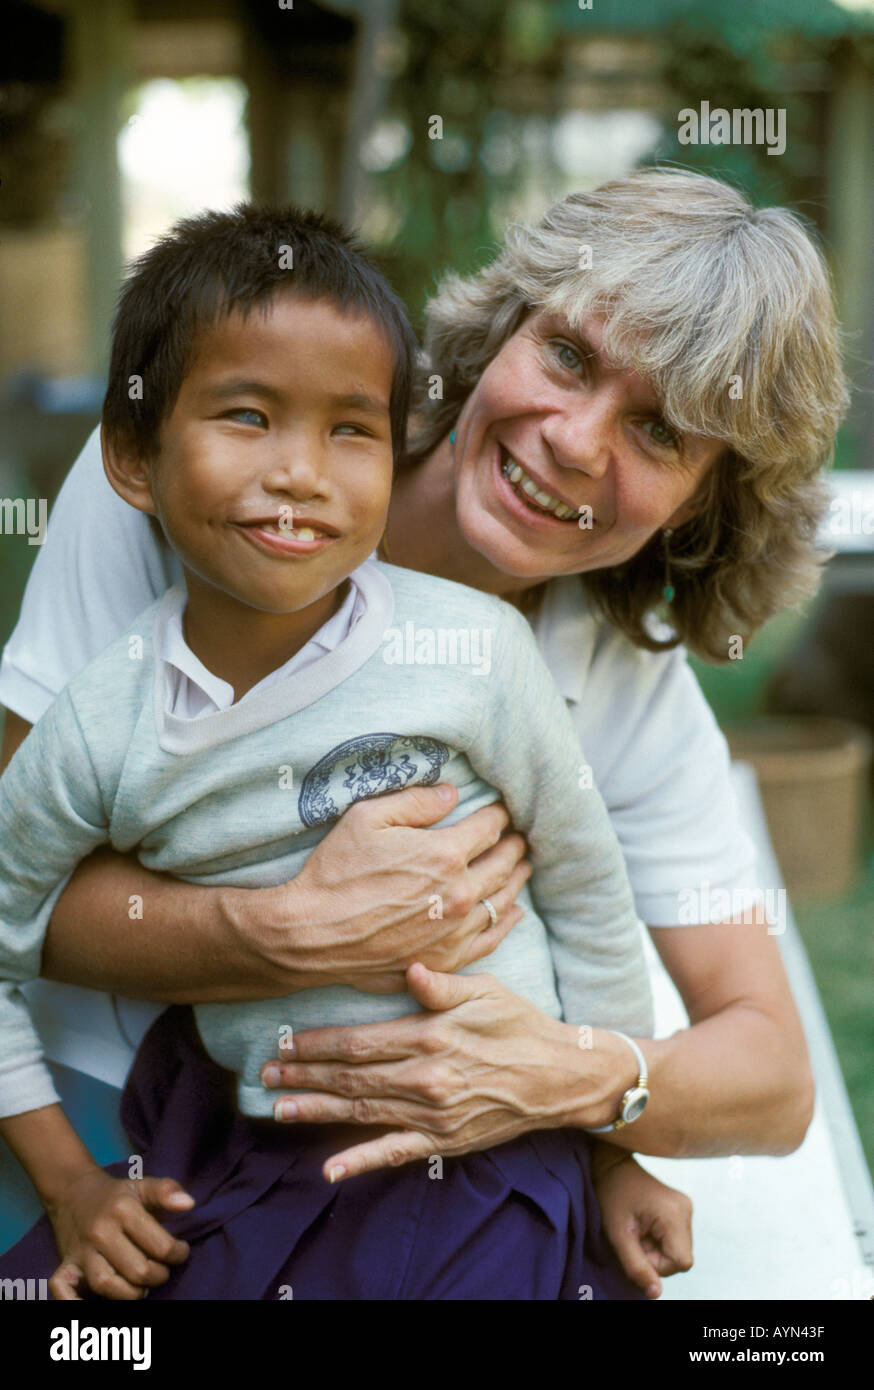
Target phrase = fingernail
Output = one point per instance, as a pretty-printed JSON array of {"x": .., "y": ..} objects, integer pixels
[
  {"x": 180, "y": 1199},
  {"x": 271, "y": 1076},
  {"x": 336, "y": 1173},
  {"x": 444, "y": 792},
  {"x": 654, "y": 1290},
  {"x": 285, "y": 1109}
]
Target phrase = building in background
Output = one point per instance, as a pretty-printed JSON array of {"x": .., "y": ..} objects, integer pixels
[{"x": 428, "y": 123}]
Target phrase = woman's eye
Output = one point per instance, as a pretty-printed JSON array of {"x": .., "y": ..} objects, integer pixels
[
  {"x": 661, "y": 434},
  {"x": 248, "y": 416},
  {"x": 568, "y": 356}
]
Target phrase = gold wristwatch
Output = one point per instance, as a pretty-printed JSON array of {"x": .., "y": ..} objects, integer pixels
[{"x": 634, "y": 1102}]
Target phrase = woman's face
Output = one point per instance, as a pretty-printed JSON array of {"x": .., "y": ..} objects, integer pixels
[{"x": 588, "y": 437}]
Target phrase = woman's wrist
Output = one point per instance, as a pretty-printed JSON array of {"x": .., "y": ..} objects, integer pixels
[
  {"x": 608, "y": 1068},
  {"x": 266, "y": 930}
]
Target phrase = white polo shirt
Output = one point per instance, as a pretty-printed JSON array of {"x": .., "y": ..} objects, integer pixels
[
  {"x": 656, "y": 752},
  {"x": 194, "y": 691}
]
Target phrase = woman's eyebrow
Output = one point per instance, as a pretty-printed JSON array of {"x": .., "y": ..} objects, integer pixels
[{"x": 561, "y": 328}]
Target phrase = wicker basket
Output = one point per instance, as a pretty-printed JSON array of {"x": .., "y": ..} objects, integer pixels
[{"x": 813, "y": 778}]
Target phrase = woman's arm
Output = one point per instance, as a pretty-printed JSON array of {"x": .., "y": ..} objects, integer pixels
[
  {"x": 737, "y": 1081},
  {"x": 357, "y": 914}
]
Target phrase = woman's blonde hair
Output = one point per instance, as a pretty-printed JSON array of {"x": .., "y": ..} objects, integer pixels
[{"x": 727, "y": 310}]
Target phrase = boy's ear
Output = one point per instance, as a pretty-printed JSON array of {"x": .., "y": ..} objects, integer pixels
[{"x": 129, "y": 473}]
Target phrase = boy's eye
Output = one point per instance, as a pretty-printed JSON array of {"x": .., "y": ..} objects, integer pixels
[
  {"x": 247, "y": 416},
  {"x": 349, "y": 427}
]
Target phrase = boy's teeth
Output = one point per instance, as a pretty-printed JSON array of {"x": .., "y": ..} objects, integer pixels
[
  {"x": 301, "y": 533},
  {"x": 515, "y": 474}
]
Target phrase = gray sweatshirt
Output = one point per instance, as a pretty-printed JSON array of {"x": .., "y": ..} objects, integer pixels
[{"x": 436, "y": 682}]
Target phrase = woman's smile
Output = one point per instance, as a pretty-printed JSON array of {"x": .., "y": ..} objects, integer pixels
[
  {"x": 520, "y": 493},
  {"x": 529, "y": 488}
]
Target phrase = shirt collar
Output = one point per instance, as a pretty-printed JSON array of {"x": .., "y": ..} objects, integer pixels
[
  {"x": 565, "y": 632},
  {"x": 176, "y": 653}
]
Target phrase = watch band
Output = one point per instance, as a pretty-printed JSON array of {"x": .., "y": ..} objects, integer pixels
[{"x": 639, "y": 1092}]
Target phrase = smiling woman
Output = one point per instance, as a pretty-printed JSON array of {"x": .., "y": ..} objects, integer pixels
[{"x": 688, "y": 379}]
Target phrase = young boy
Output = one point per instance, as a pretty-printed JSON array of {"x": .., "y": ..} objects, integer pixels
[{"x": 259, "y": 389}]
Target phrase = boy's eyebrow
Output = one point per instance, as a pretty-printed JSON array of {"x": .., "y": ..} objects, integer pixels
[
  {"x": 354, "y": 400},
  {"x": 360, "y": 400},
  {"x": 224, "y": 389}
]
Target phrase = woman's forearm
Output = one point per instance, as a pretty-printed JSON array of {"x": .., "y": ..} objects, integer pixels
[
  {"x": 738, "y": 1080},
  {"x": 722, "y": 1087},
  {"x": 126, "y": 929},
  {"x": 357, "y": 914}
]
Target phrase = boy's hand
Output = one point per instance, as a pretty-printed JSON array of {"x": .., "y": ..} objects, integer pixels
[
  {"x": 648, "y": 1224},
  {"x": 109, "y": 1240}
]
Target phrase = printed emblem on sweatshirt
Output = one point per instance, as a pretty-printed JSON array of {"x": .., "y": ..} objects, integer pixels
[{"x": 369, "y": 765}]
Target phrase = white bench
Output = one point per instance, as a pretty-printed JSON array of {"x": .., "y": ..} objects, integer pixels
[{"x": 799, "y": 1227}]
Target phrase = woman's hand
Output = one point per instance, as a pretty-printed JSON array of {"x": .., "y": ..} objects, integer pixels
[
  {"x": 380, "y": 892},
  {"x": 481, "y": 1067},
  {"x": 109, "y": 1238}
]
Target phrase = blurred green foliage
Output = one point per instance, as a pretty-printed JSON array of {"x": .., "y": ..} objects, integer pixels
[
  {"x": 458, "y": 56},
  {"x": 475, "y": 63}
]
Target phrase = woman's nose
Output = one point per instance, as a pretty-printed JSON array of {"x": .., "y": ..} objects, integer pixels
[{"x": 582, "y": 437}]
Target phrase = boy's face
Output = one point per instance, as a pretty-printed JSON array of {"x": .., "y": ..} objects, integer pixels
[{"x": 273, "y": 478}]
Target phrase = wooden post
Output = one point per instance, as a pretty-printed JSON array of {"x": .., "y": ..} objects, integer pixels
[
  {"x": 850, "y": 176},
  {"x": 99, "y": 54}
]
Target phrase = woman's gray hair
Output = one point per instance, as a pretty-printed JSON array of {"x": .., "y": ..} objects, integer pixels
[{"x": 728, "y": 311}]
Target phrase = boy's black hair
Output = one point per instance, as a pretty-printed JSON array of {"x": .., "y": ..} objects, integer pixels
[{"x": 219, "y": 262}]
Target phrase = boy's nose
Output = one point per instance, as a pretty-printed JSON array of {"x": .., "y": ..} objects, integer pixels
[{"x": 296, "y": 474}]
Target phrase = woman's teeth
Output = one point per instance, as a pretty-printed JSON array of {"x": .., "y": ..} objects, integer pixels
[{"x": 520, "y": 482}]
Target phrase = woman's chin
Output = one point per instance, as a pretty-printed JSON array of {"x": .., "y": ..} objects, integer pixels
[{"x": 511, "y": 555}]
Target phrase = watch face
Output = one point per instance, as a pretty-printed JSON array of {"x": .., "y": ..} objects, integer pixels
[{"x": 635, "y": 1104}]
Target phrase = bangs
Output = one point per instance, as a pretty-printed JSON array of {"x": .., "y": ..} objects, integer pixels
[{"x": 704, "y": 309}]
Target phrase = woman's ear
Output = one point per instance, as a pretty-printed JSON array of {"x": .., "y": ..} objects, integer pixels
[
  {"x": 700, "y": 499},
  {"x": 685, "y": 512},
  {"x": 128, "y": 471}
]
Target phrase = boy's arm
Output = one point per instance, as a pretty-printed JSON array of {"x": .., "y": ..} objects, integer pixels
[
  {"x": 51, "y": 816},
  {"x": 528, "y": 748},
  {"x": 107, "y": 1230},
  {"x": 648, "y": 1223},
  {"x": 48, "y": 1149}
]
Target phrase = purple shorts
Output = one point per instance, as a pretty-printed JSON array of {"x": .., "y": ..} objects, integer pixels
[{"x": 519, "y": 1221}]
